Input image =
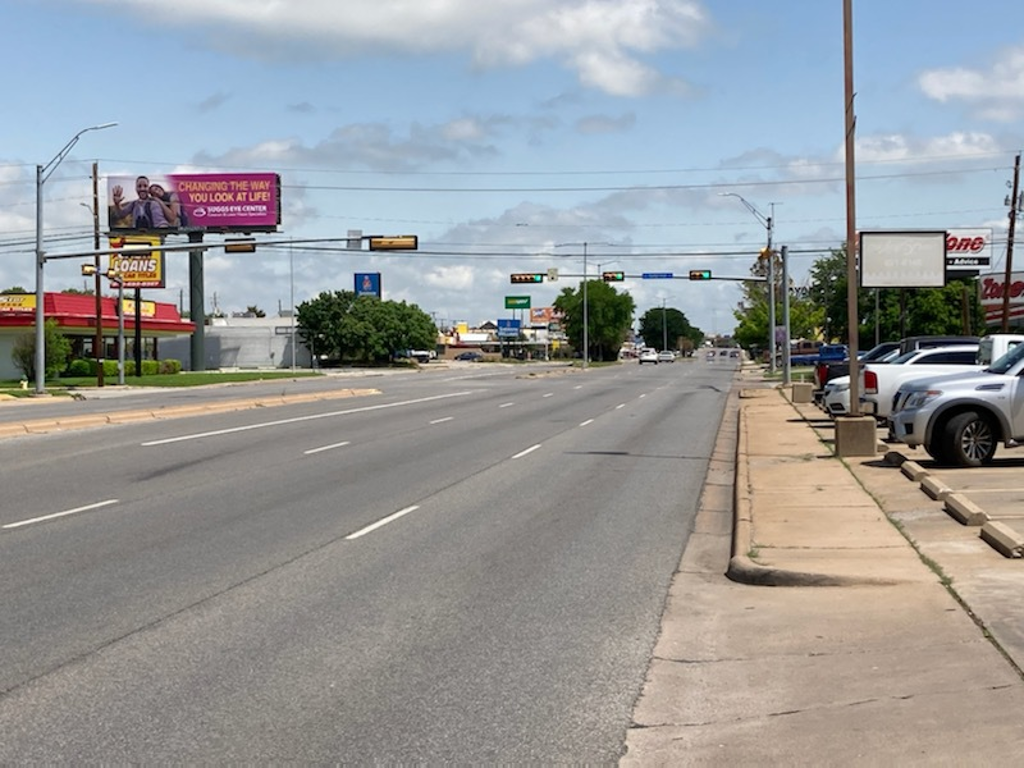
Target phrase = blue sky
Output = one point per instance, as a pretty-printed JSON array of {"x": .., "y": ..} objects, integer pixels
[{"x": 507, "y": 134}]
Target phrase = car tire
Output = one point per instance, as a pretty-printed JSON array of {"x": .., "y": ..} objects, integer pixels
[{"x": 969, "y": 440}]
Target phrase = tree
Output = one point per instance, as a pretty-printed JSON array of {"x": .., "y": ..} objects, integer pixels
[
  {"x": 609, "y": 318},
  {"x": 57, "y": 351},
  {"x": 657, "y": 323},
  {"x": 14, "y": 289},
  {"x": 255, "y": 311},
  {"x": 344, "y": 326}
]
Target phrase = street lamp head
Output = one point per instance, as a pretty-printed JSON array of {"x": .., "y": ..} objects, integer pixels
[{"x": 101, "y": 126}]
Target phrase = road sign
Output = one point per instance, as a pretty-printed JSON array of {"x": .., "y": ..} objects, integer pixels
[
  {"x": 657, "y": 275},
  {"x": 517, "y": 302},
  {"x": 553, "y": 274},
  {"x": 508, "y": 328}
]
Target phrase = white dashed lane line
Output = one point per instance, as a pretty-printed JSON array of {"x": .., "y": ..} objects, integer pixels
[
  {"x": 311, "y": 451},
  {"x": 65, "y": 513}
]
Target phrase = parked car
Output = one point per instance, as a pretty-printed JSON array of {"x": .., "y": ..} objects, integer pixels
[
  {"x": 666, "y": 356},
  {"x": 469, "y": 356},
  {"x": 648, "y": 356},
  {"x": 960, "y": 419},
  {"x": 880, "y": 382}
]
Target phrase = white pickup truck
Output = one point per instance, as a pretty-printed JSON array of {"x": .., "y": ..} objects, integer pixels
[{"x": 879, "y": 383}]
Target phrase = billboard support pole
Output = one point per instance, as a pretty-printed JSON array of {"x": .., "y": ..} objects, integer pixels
[
  {"x": 138, "y": 333},
  {"x": 197, "y": 303}
]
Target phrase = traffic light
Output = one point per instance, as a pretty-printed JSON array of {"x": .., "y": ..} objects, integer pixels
[
  {"x": 613, "y": 277},
  {"x": 527, "y": 277},
  {"x": 700, "y": 274}
]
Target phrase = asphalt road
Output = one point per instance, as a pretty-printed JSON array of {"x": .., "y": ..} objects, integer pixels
[{"x": 468, "y": 567}]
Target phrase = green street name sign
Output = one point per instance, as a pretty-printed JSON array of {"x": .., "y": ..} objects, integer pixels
[{"x": 517, "y": 302}]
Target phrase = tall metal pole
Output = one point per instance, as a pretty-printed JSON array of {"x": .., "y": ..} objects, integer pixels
[
  {"x": 1009, "y": 244},
  {"x": 98, "y": 340},
  {"x": 42, "y": 174},
  {"x": 586, "y": 319},
  {"x": 786, "y": 367},
  {"x": 664, "y": 326},
  {"x": 851, "y": 212},
  {"x": 120, "y": 332},
  {"x": 291, "y": 281},
  {"x": 772, "y": 342},
  {"x": 40, "y": 314}
]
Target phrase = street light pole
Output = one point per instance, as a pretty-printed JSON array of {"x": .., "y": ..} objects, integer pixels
[
  {"x": 664, "y": 327},
  {"x": 586, "y": 319},
  {"x": 768, "y": 222},
  {"x": 43, "y": 172}
]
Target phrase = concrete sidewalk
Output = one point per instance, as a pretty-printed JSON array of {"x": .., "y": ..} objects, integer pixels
[{"x": 861, "y": 655}]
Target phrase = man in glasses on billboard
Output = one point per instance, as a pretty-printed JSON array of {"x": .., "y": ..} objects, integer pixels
[{"x": 146, "y": 212}]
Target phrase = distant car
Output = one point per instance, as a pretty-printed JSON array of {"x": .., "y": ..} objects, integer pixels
[
  {"x": 471, "y": 357},
  {"x": 649, "y": 356},
  {"x": 666, "y": 356},
  {"x": 734, "y": 353},
  {"x": 711, "y": 355}
]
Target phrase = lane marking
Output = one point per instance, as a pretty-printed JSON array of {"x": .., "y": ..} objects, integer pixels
[
  {"x": 527, "y": 452},
  {"x": 299, "y": 419},
  {"x": 311, "y": 451},
  {"x": 578, "y": 386},
  {"x": 442, "y": 421},
  {"x": 382, "y": 522},
  {"x": 585, "y": 423},
  {"x": 620, "y": 405},
  {"x": 643, "y": 396},
  {"x": 506, "y": 405},
  {"x": 550, "y": 394},
  {"x": 66, "y": 512}
]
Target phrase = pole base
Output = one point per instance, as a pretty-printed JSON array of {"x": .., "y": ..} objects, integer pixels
[{"x": 856, "y": 436}]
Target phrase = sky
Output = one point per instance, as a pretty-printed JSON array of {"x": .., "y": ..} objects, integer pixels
[{"x": 653, "y": 136}]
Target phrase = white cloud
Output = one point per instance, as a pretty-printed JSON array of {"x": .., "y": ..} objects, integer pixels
[
  {"x": 602, "y": 41},
  {"x": 997, "y": 93}
]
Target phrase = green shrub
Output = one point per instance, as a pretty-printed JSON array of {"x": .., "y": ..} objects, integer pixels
[
  {"x": 82, "y": 368},
  {"x": 170, "y": 366}
]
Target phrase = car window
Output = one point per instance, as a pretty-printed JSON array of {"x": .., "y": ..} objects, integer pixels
[
  {"x": 1007, "y": 361},
  {"x": 948, "y": 357}
]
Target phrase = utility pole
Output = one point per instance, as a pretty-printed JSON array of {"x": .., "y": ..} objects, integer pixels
[
  {"x": 97, "y": 341},
  {"x": 1014, "y": 204}
]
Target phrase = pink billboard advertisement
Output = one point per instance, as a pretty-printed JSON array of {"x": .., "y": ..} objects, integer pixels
[{"x": 191, "y": 202}]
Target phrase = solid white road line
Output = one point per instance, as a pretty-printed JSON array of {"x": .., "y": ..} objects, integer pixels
[
  {"x": 66, "y": 512},
  {"x": 382, "y": 522},
  {"x": 298, "y": 419},
  {"x": 311, "y": 451},
  {"x": 527, "y": 452}
]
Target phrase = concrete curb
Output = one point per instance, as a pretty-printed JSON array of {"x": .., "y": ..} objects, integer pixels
[
  {"x": 44, "y": 426},
  {"x": 742, "y": 569}
]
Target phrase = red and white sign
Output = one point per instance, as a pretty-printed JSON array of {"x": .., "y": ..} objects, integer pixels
[
  {"x": 991, "y": 287},
  {"x": 968, "y": 249}
]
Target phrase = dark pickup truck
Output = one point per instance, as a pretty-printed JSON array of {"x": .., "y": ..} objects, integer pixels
[
  {"x": 825, "y": 353},
  {"x": 826, "y": 370}
]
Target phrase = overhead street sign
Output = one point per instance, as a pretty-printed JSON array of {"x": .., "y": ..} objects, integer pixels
[
  {"x": 517, "y": 302},
  {"x": 657, "y": 275}
]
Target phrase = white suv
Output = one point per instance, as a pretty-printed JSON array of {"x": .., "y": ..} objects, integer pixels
[
  {"x": 961, "y": 418},
  {"x": 648, "y": 355}
]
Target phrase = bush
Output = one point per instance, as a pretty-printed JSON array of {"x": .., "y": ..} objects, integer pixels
[
  {"x": 81, "y": 368},
  {"x": 170, "y": 366}
]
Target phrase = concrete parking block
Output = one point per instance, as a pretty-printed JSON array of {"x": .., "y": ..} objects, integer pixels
[
  {"x": 1003, "y": 539},
  {"x": 935, "y": 488},
  {"x": 965, "y": 511},
  {"x": 914, "y": 471}
]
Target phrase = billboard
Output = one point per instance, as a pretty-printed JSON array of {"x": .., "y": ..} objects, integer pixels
[
  {"x": 139, "y": 269},
  {"x": 17, "y": 302},
  {"x": 367, "y": 284},
  {"x": 992, "y": 288},
  {"x": 194, "y": 202},
  {"x": 903, "y": 259},
  {"x": 968, "y": 250}
]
